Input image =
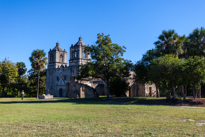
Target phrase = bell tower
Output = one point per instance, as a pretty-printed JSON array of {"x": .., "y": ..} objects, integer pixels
[
  {"x": 77, "y": 54},
  {"x": 57, "y": 57}
]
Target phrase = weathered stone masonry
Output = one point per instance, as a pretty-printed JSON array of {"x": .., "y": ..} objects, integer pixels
[{"x": 58, "y": 77}]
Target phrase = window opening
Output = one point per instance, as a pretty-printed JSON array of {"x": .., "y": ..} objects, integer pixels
[
  {"x": 75, "y": 54},
  {"x": 60, "y": 92},
  {"x": 51, "y": 58},
  {"x": 61, "y": 58}
]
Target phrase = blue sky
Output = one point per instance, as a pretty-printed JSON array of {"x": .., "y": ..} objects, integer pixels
[{"x": 26, "y": 25}]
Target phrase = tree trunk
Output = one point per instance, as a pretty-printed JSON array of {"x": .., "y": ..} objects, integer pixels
[
  {"x": 173, "y": 87},
  {"x": 196, "y": 92},
  {"x": 182, "y": 91},
  {"x": 157, "y": 90},
  {"x": 199, "y": 91},
  {"x": 108, "y": 94},
  {"x": 185, "y": 94},
  {"x": 2, "y": 94},
  {"x": 18, "y": 89},
  {"x": 37, "y": 86},
  {"x": 193, "y": 89}
]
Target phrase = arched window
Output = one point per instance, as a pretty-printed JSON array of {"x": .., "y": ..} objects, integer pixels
[
  {"x": 61, "y": 58},
  {"x": 60, "y": 92},
  {"x": 75, "y": 54},
  {"x": 51, "y": 57},
  {"x": 84, "y": 55}
]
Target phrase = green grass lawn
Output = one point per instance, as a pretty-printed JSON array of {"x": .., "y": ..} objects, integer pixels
[{"x": 96, "y": 117}]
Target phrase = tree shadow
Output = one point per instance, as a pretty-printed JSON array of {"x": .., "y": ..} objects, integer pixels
[{"x": 116, "y": 101}]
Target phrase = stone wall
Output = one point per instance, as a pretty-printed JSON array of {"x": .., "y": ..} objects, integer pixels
[
  {"x": 141, "y": 90},
  {"x": 137, "y": 89},
  {"x": 133, "y": 90},
  {"x": 100, "y": 89},
  {"x": 79, "y": 90},
  {"x": 96, "y": 83},
  {"x": 100, "y": 86},
  {"x": 147, "y": 90},
  {"x": 56, "y": 79}
]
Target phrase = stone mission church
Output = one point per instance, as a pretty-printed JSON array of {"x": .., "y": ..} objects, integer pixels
[{"x": 60, "y": 81}]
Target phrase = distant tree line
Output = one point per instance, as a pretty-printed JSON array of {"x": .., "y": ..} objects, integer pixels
[{"x": 176, "y": 65}]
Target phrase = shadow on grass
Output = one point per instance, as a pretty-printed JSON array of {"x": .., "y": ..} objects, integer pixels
[{"x": 114, "y": 101}]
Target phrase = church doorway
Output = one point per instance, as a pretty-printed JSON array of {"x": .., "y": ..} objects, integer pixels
[
  {"x": 150, "y": 91},
  {"x": 129, "y": 91},
  {"x": 82, "y": 92},
  {"x": 60, "y": 92}
]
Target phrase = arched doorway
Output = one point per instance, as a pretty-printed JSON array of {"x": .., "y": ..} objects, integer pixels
[
  {"x": 60, "y": 92},
  {"x": 130, "y": 92},
  {"x": 150, "y": 91},
  {"x": 82, "y": 92}
]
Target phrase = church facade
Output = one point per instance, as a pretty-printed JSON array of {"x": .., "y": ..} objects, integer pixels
[{"x": 58, "y": 73}]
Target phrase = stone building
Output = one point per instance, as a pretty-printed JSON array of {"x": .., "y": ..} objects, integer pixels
[
  {"x": 140, "y": 90},
  {"x": 60, "y": 82},
  {"x": 58, "y": 73}
]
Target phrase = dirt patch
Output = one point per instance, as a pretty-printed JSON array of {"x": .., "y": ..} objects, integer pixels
[
  {"x": 200, "y": 124},
  {"x": 191, "y": 120},
  {"x": 188, "y": 120},
  {"x": 197, "y": 124}
]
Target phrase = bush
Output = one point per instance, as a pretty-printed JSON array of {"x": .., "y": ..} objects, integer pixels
[{"x": 118, "y": 87}]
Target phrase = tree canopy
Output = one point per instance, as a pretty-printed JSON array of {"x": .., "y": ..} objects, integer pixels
[
  {"x": 8, "y": 73},
  {"x": 169, "y": 42},
  {"x": 176, "y": 62},
  {"x": 195, "y": 44},
  {"x": 21, "y": 71},
  {"x": 107, "y": 61}
]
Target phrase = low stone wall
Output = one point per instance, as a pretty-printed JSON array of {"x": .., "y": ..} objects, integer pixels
[
  {"x": 73, "y": 94},
  {"x": 100, "y": 89},
  {"x": 79, "y": 90},
  {"x": 141, "y": 90}
]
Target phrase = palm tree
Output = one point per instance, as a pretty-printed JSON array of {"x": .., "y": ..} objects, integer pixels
[
  {"x": 38, "y": 62},
  {"x": 21, "y": 70},
  {"x": 169, "y": 43},
  {"x": 195, "y": 44}
]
